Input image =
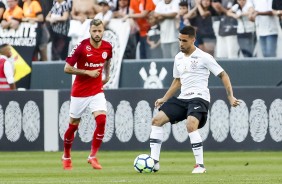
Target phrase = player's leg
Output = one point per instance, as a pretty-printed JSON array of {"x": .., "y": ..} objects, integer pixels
[
  {"x": 68, "y": 140},
  {"x": 196, "y": 142},
  {"x": 156, "y": 137},
  {"x": 69, "y": 136},
  {"x": 98, "y": 136},
  {"x": 197, "y": 117},
  {"x": 100, "y": 117},
  {"x": 77, "y": 107},
  {"x": 171, "y": 111},
  {"x": 98, "y": 106}
]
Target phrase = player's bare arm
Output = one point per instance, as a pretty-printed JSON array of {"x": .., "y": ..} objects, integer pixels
[
  {"x": 143, "y": 14},
  {"x": 107, "y": 71},
  {"x": 228, "y": 87},
  {"x": 174, "y": 87},
  {"x": 72, "y": 70}
]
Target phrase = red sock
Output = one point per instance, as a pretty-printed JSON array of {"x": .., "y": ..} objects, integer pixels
[
  {"x": 98, "y": 134},
  {"x": 68, "y": 139}
]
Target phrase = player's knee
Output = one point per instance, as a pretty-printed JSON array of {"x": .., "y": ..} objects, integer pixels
[
  {"x": 191, "y": 128},
  {"x": 192, "y": 124},
  {"x": 74, "y": 121},
  {"x": 156, "y": 121}
]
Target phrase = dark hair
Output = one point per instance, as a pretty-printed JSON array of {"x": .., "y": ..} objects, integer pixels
[
  {"x": 127, "y": 8},
  {"x": 3, "y": 45},
  {"x": 96, "y": 22},
  {"x": 188, "y": 30},
  {"x": 183, "y": 3}
]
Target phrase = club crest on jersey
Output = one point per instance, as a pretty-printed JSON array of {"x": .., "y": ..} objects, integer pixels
[
  {"x": 194, "y": 64},
  {"x": 88, "y": 48},
  {"x": 104, "y": 55}
]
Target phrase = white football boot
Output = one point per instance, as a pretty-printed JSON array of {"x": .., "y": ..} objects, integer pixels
[
  {"x": 156, "y": 166},
  {"x": 199, "y": 169}
]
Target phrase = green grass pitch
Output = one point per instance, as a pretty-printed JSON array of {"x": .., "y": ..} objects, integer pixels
[{"x": 222, "y": 167}]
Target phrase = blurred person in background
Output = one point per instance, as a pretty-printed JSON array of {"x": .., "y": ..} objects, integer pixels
[
  {"x": 113, "y": 4},
  {"x": 69, "y": 3},
  {"x": 32, "y": 13},
  {"x": 165, "y": 13},
  {"x": 6, "y": 69},
  {"x": 84, "y": 9},
  {"x": 225, "y": 29},
  {"x": 182, "y": 20},
  {"x": 154, "y": 38},
  {"x": 246, "y": 34},
  {"x": 187, "y": 11},
  {"x": 59, "y": 17},
  {"x": 46, "y": 7},
  {"x": 12, "y": 16},
  {"x": 277, "y": 10},
  {"x": 201, "y": 19},
  {"x": 2, "y": 10},
  {"x": 106, "y": 14},
  {"x": 266, "y": 26},
  {"x": 121, "y": 11},
  {"x": 139, "y": 10}
]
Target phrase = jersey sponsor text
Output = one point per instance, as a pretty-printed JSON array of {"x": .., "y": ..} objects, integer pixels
[{"x": 94, "y": 65}]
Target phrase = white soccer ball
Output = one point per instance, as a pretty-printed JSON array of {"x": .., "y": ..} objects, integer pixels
[{"x": 144, "y": 163}]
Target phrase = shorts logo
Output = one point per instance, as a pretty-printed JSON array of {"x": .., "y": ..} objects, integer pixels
[
  {"x": 88, "y": 48},
  {"x": 104, "y": 55}
]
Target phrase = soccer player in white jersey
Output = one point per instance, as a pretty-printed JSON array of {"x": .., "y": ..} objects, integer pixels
[{"x": 191, "y": 71}]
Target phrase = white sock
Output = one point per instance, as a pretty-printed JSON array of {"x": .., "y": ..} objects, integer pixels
[
  {"x": 197, "y": 146},
  {"x": 156, "y": 138}
]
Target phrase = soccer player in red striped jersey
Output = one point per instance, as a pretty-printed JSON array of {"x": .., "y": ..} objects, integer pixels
[
  {"x": 91, "y": 56},
  {"x": 7, "y": 81}
]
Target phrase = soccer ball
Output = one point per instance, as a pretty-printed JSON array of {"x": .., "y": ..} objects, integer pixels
[{"x": 144, "y": 163}]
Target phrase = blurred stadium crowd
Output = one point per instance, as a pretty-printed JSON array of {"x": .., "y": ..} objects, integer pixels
[{"x": 225, "y": 28}]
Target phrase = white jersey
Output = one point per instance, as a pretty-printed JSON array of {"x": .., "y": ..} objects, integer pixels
[
  {"x": 265, "y": 24},
  {"x": 169, "y": 33},
  {"x": 194, "y": 72}
]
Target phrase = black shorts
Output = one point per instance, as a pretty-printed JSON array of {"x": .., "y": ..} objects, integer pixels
[{"x": 179, "y": 109}]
